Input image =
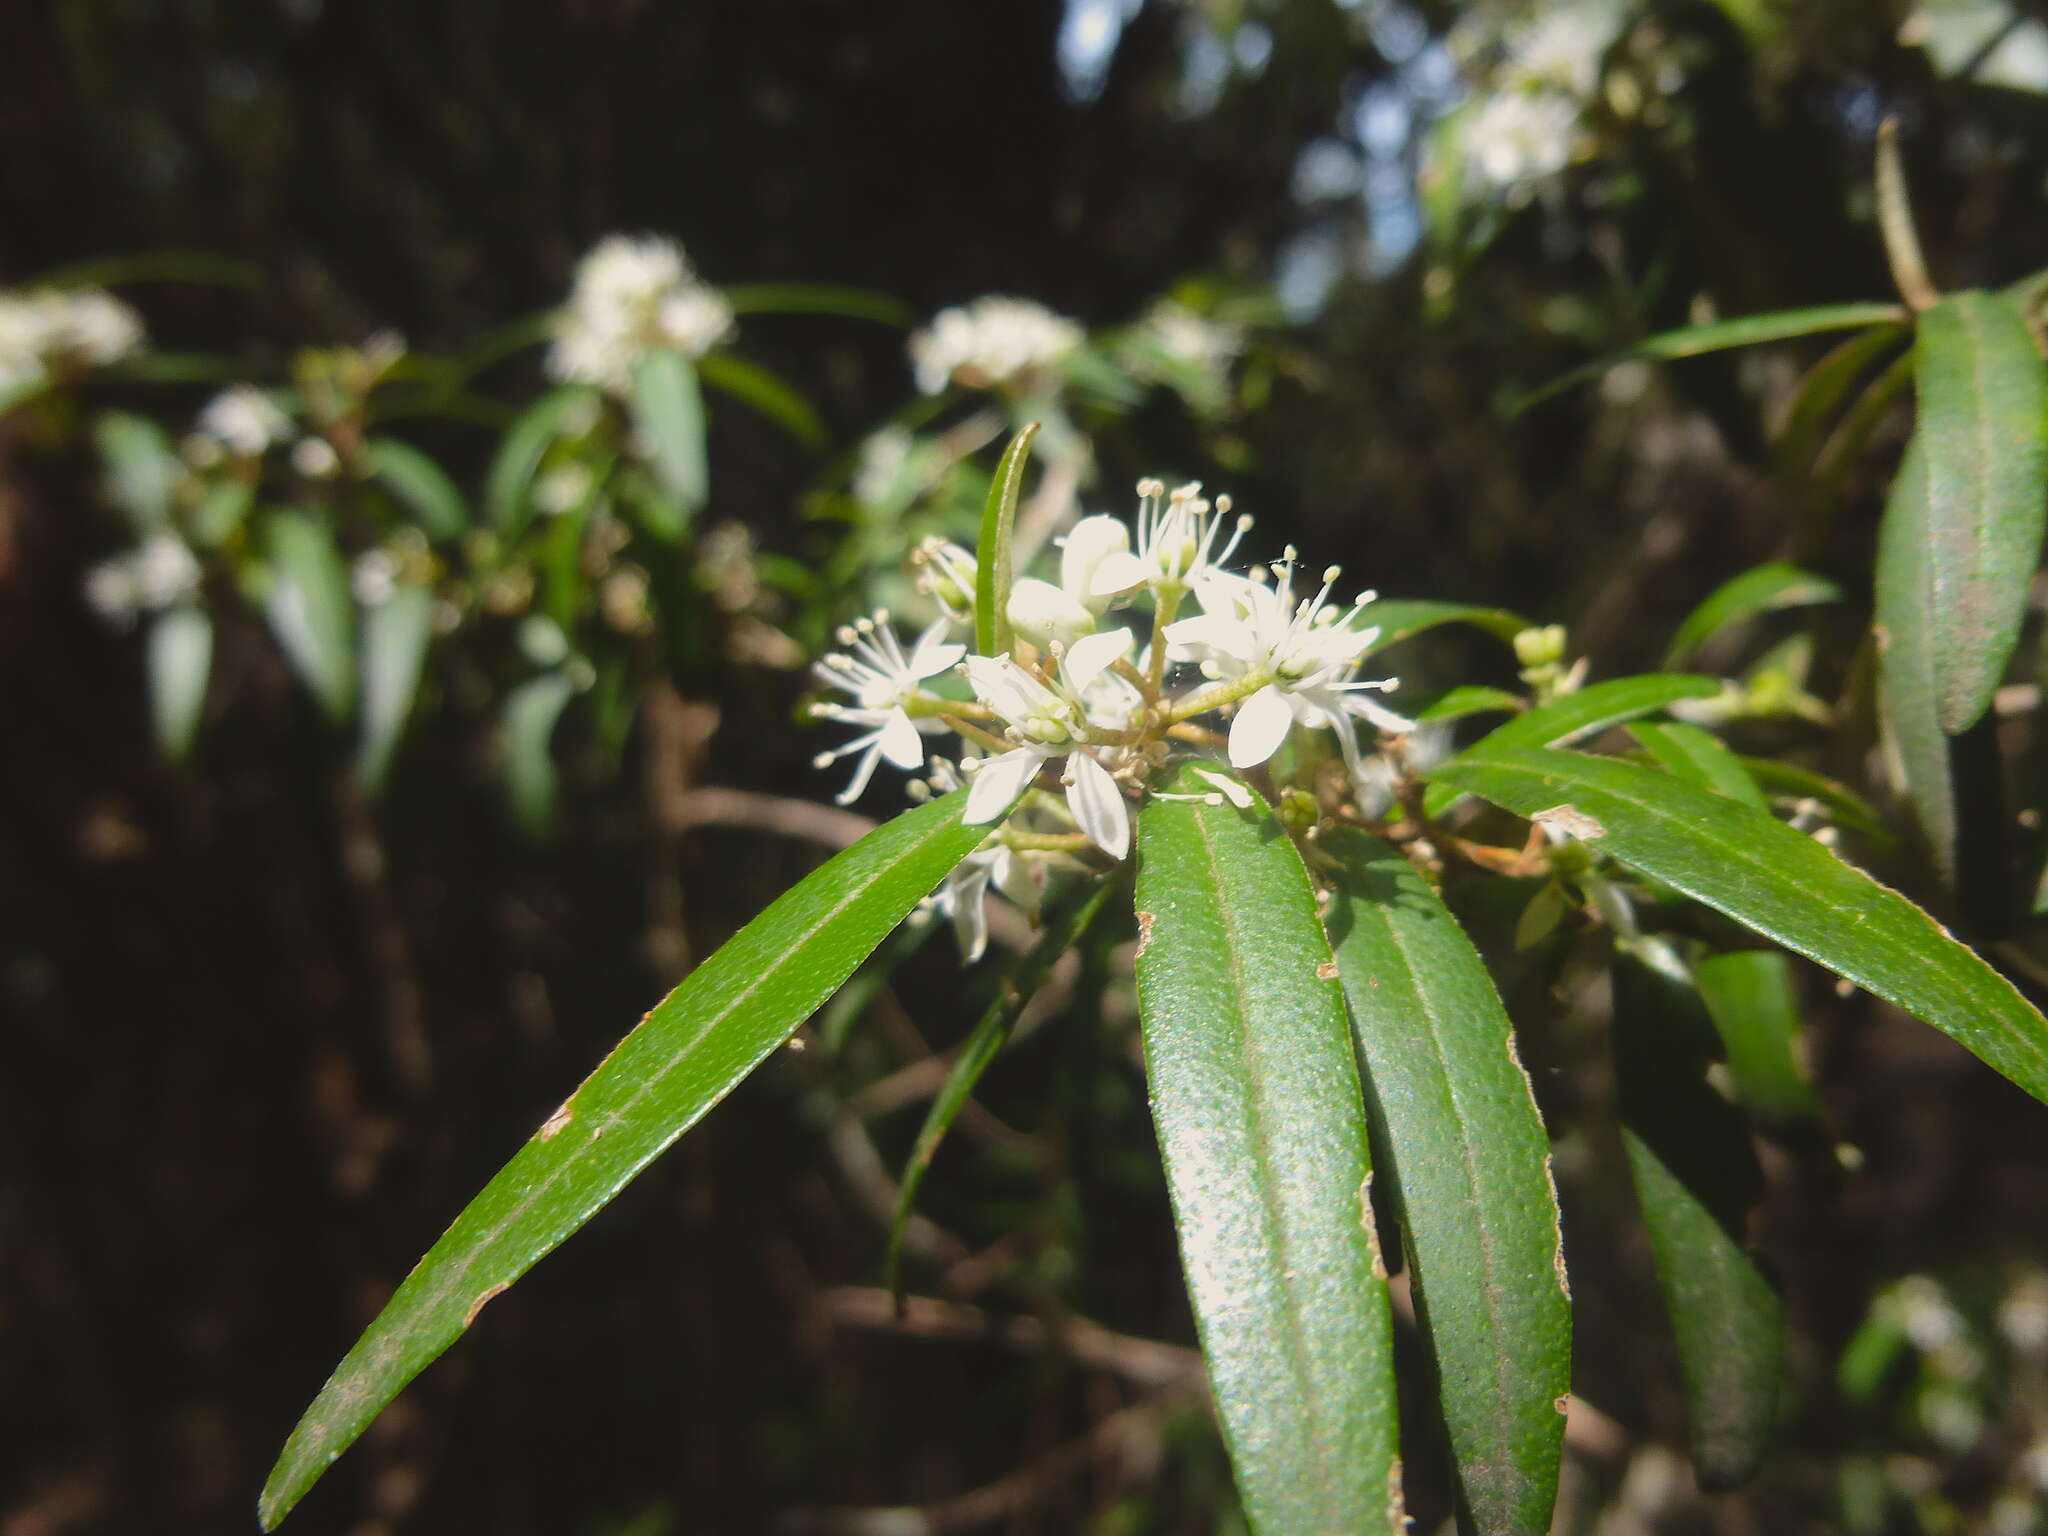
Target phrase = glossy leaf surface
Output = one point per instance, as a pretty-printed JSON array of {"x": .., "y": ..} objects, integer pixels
[
  {"x": 1983, "y": 414},
  {"x": 1256, "y": 1099},
  {"x": 1782, "y": 884},
  {"x": 992, "y": 555},
  {"x": 1469, "y": 1165},
  {"x": 1579, "y": 714},
  {"x": 1696, "y": 1178},
  {"x": 687, "y": 1054},
  {"x": 1909, "y": 688}
]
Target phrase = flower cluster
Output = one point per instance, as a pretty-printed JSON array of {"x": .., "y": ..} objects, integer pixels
[
  {"x": 632, "y": 293},
  {"x": 1061, "y": 732},
  {"x": 45, "y": 332},
  {"x": 1545, "y": 72},
  {"x": 993, "y": 343}
]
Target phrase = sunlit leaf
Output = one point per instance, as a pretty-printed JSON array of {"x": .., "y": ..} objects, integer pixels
[
  {"x": 1397, "y": 619},
  {"x": 1779, "y": 882},
  {"x": 1256, "y": 1099},
  {"x": 1909, "y": 693},
  {"x": 992, "y": 572},
  {"x": 1761, "y": 589},
  {"x": 1468, "y": 700},
  {"x": 1469, "y": 1168},
  {"x": 688, "y": 1053},
  {"x": 1984, "y": 430},
  {"x": 668, "y": 408},
  {"x": 753, "y": 385},
  {"x": 1573, "y": 715},
  {"x": 1699, "y": 757}
]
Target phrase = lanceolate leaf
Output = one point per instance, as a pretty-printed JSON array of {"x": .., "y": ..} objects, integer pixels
[
  {"x": 1720, "y": 335},
  {"x": 668, "y": 408},
  {"x": 1796, "y": 443},
  {"x": 753, "y": 385},
  {"x": 1579, "y": 714},
  {"x": 1984, "y": 429},
  {"x": 395, "y": 635},
  {"x": 992, "y": 572},
  {"x": 1908, "y": 686},
  {"x": 180, "y": 658},
  {"x": 1398, "y": 618},
  {"x": 1761, "y": 589},
  {"x": 1470, "y": 699},
  {"x": 1256, "y": 1099},
  {"x": 508, "y": 494},
  {"x": 1698, "y": 757},
  {"x": 1782, "y": 884},
  {"x": 1845, "y": 808},
  {"x": 526, "y": 750},
  {"x": 1754, "y": 1002},
  {"x": 310, "y": 609},
  {"x": 695, "y": 1045},
  {"x": 990, "y": 1035},
  {"x": 1470, "y": 1165},
  {"x": 1696, "y": 1177},
  {"x": 415, "y": 479}
]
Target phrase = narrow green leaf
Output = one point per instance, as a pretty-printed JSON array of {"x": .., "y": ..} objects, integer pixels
[
  {"x": 1256, "y": 1099},
  {"x": 1470, "y": 1167},
  {"x": 688, "y": 1053},
  {"x": 818, "y": 299},
  {"x": 1696, "y": 1178},
  {"x": 141, "y": 468},
  {"x": 395, "y": 635},
  {"x": 1698, "y": 757},
  {"x": 526, "y": 751},
  {"x": 1721, "y": 335},
  {"x": 1761, "y": 589},
  {"x": 221, "y": 512},
  {"x": 1782, "y": 884},
  {"x": 1983, "y": 411},
  {"x": 180, "y": 658},
  {"x": 1573, "y": 715},
  {"x": 992, "y": 557},
  {"x": 669, "y": 409},
  {"x": 1397, "y": 619},
  {"x": 1795, "y": 445},
  {"x": 753, "y": 385},
  {"x": 1468, "y": 700},
  {"x": 1845, "y": 808},
  {"x": 1753, "y": 998},
  {"x": 310, "y": 609},
  {"x": 508, "y": 492},
  {"x": 421, "y": 485},
  {"x": 1916, "y": 747},
  {"x": 991, "y": 1034}
]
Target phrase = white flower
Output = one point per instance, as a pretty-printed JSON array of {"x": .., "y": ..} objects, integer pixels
[
  {"x": 244, "y": 421},
  {"x": 882, "y": 680},
  {"x": 41, "y": 331},
  {"x": 946, "y": 574},
  {"x": 1177, "y": 332},
  {"x": 990, "y": 344},
  {"x": 1176, "y": 542},
  {"x": 883, "y": 459},
  {"x": 1562, "y": 49},
  {"x": 1047, "y": 615},
  {"x": 1048, "y": 721},
  {"x": 1306, "y": 654},
  {"x": 1520, "y": 137},
  {"x": 631, "y": 293},
  {"x": 373, "y": 578},
  {"x": 964, "y": 895},
  {"x": 154, "y": 575},
  {"x": 1087, "y": 545},
  {"x": 315, "y": 458}
]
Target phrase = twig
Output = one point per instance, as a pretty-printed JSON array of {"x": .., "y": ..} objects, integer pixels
[{"x": 803, "y": 819}]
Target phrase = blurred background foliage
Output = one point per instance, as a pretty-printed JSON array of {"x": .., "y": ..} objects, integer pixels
[{"x": 267, "y": 1028}]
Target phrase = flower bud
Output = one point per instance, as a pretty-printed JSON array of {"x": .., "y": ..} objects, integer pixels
[
  {"x": 1540, "y": 647},
  {"x": 1043, "y": 614}
]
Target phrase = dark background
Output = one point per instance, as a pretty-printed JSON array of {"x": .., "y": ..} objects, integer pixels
[{"x": 263, "y": 1039}]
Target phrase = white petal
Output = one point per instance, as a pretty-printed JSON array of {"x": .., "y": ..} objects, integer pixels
[
  {"x": 968, "y": 895},
  {"x": 998, "y": 784},
  {"x": 900, "y": 741},
  {"x": 863, "y": 770},
  {"x": 1091, "y": 655},
  {"x": 1118, "y": 573},
  {"x": 932, "y": 656},
  {"x": 1261, "y": 725},
  {"x": 1098, "y": 805}
]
